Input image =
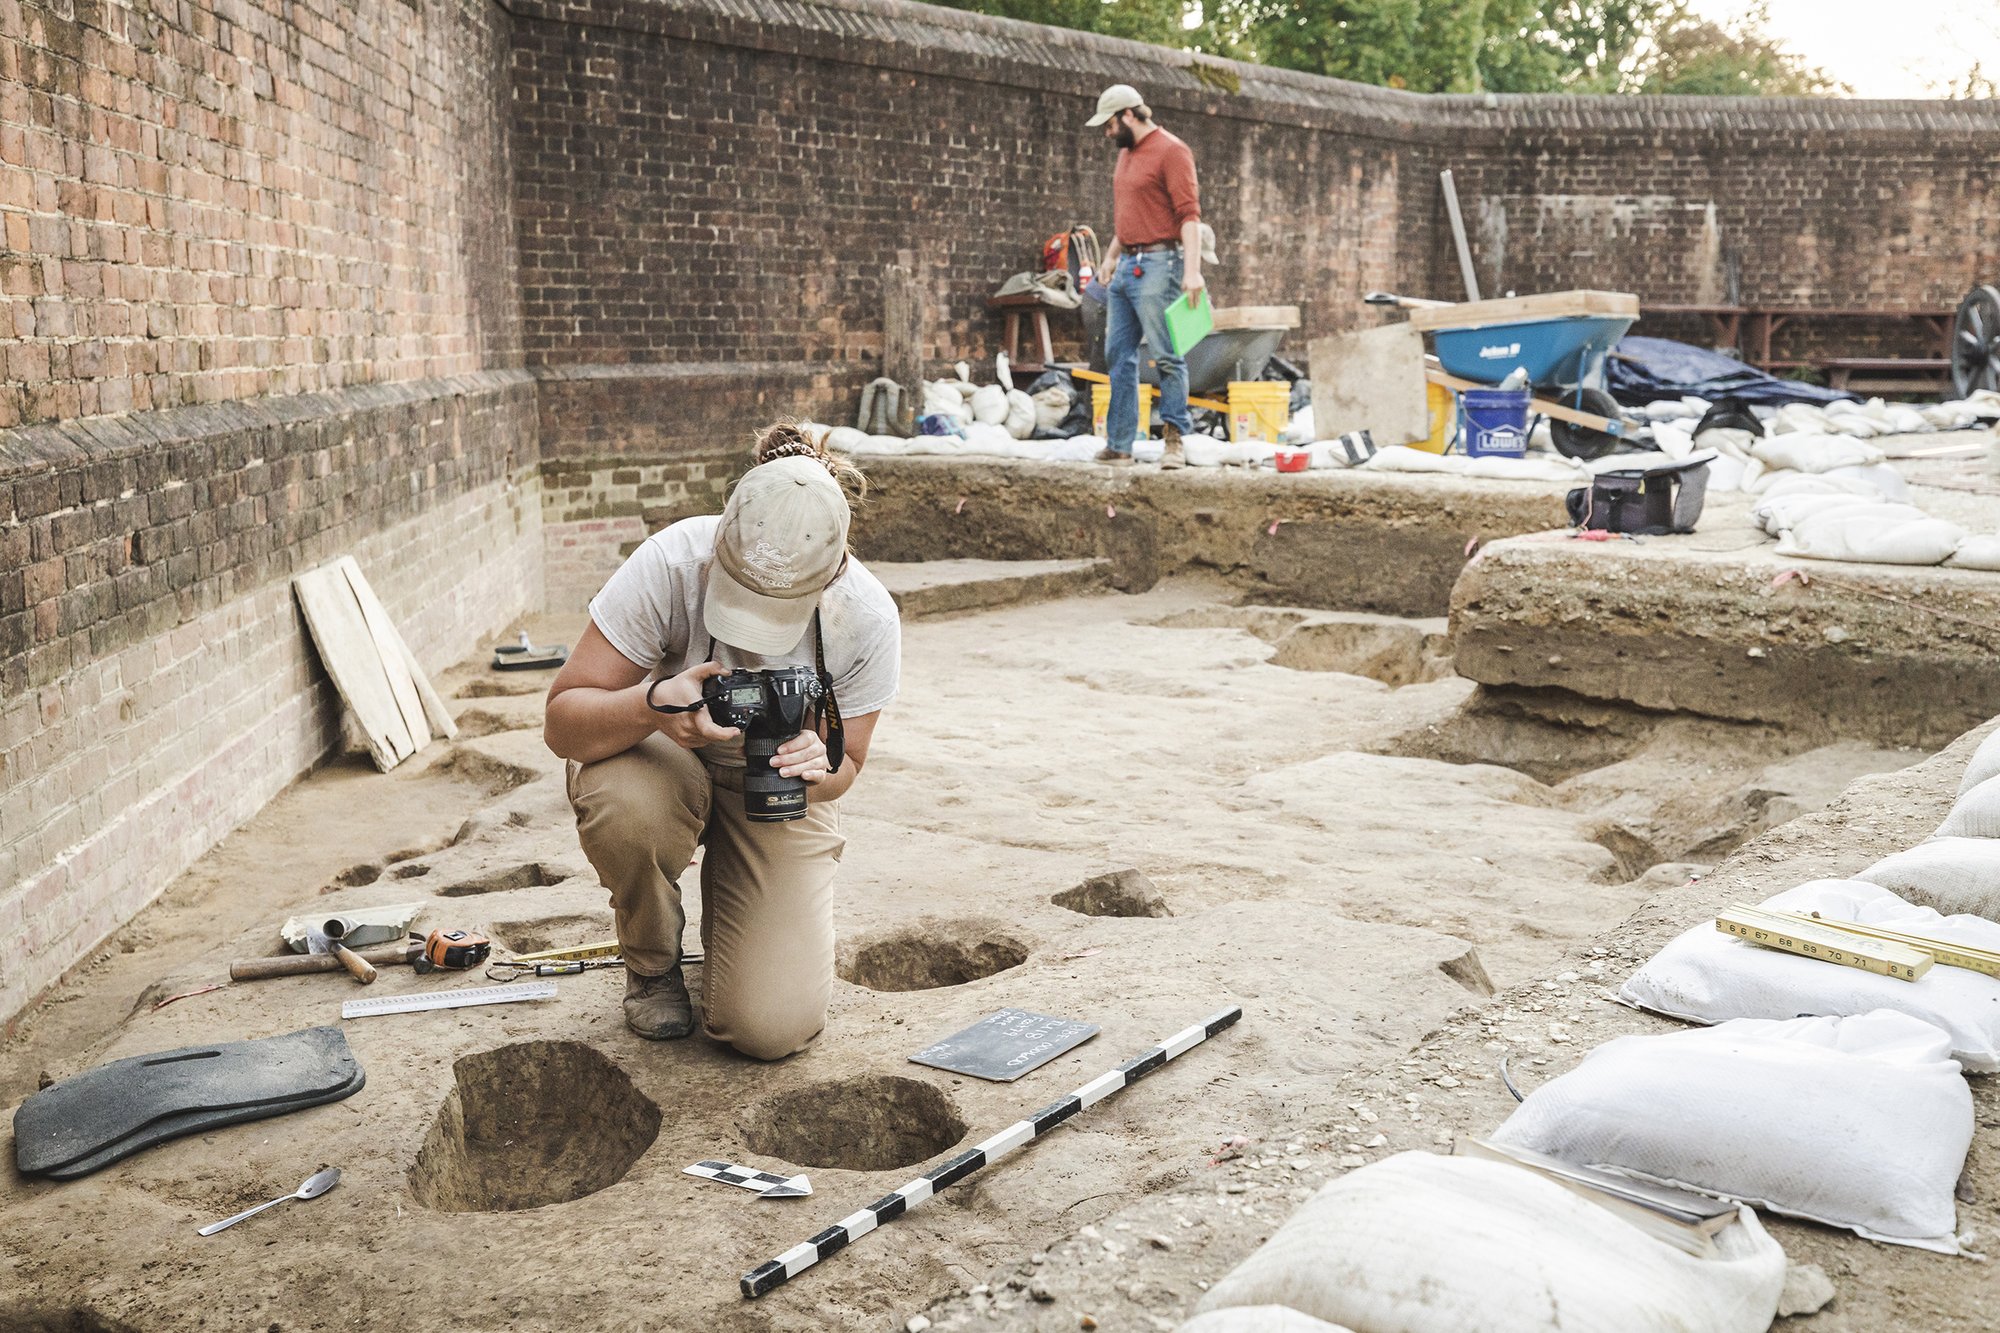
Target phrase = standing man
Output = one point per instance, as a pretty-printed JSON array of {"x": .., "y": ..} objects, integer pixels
[{"x": 1155, "y": 256}]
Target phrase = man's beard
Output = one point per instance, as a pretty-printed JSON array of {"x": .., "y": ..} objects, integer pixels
[{"x": 1123, "y": 137}]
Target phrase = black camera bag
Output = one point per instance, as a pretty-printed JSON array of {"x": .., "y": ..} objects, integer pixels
[{"x": 1649, "y": 501}]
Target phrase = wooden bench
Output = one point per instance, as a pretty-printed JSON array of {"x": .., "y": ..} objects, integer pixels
[{"x": 1887, "y": 374}]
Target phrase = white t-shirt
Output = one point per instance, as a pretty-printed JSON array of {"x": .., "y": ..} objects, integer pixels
[{"x": 650, "y": 611}]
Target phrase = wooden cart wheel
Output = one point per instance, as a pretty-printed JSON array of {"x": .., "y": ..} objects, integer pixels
[
  {"x": 1574, "y": 441},
  {"x": 1975, "y": 342}
]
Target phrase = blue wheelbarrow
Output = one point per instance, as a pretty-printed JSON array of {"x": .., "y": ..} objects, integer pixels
[{"x": 1560, "y": 339}]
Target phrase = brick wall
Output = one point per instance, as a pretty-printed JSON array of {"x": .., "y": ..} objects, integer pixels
[
  {"x": 158, "y": 684},
  {"x": 214, "y": 199},
  {"x": 704, "y": 182},
  {"x": 594, "y": 514},
  {"x": 695, "y": 186},
  {"x": 258, "y": 308}
]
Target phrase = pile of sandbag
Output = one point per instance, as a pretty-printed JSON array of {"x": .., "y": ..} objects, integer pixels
[{"x": 1418, "y": 1241}]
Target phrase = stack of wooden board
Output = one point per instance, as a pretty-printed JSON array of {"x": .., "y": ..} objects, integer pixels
[{"x": 377, "y": 676}]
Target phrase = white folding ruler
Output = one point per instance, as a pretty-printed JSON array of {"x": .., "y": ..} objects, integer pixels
[{"x": 448, "y": 999}]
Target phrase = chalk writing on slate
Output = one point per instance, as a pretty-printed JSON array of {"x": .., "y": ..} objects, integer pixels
[{"x": 1005, "y": 1045}]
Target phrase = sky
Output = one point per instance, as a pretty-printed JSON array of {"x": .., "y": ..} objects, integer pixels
[{"x": 1906, "y": 49}]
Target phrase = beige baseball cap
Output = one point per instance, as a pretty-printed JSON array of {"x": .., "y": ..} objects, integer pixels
[
  {"x": 781, "y": 540},
  {"x": 1118, "y": 97}
]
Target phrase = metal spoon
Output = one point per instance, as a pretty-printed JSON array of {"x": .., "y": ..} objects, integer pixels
[{"x": 314, "y": 1185}]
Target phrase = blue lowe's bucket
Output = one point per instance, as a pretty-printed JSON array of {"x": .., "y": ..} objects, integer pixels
[{"x": 1496, "y": 422}]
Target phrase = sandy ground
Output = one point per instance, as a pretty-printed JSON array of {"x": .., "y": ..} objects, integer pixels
[{"x": 1348, "y": 856}]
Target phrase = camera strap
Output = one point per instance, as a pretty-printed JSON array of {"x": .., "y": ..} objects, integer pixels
[
  {"x": 829, "y": 707},
  {"x": 694, "y": 707}
]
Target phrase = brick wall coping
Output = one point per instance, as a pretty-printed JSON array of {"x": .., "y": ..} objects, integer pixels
[
  {"x": 676, "y": 370},
  {"x": 27, "y": 450},
  {"x": 903, "y": 35}
]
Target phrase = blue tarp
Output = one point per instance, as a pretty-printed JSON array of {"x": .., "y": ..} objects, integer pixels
[{"x": 1641, "y": 370}]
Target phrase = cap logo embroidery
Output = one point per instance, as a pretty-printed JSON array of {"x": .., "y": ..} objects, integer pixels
[{"x": 772, "y": 567}]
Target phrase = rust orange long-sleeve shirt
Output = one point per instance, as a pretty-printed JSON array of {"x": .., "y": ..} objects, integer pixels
[{"x": 1154, "y": 191}]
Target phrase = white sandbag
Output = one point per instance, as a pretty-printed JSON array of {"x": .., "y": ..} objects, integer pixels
[
  {"x": 1258, "y": 1319},
  {"x": 1903, "y": 419},
  {"x": 1706, "y": 976},
  {"x": 1779, "y": 514},
  {"x": 1985, "y": 764},
  {"x": 1418, "y": 1243},
  {"x": 1808, "y": 483},
  {"x": 1725, "y": 473},
  {"x": 1953, "y": 872},
  {"x": 1299, "y": 430},
  {"x": 1729, "y": 441},
  {"x": 1975, "y": 815},
  {"x": 942, "y": 398},
  {"x": 1020, "y": 419},
  {"x": 1880, "y": 535},
  {"x": 1813, "y": 453},
  {"x": 1052, "y": 405},
  {"x": 1976, "y": 553},
  {"x": 1675, "y": 441},
  {"x": 989, "y": 404},
  {"x": 1799, "y": 418},
  {"x": 1881, "y": 478},
  {"x": 844, "y": 439},
  {"x": 1719, "y": 1110}
]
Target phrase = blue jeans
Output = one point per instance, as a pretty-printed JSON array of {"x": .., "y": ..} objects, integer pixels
[{"x": 1138, "y": 309}]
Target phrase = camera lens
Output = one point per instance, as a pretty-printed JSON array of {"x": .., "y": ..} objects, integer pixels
[{"x": 769, "y": 798}]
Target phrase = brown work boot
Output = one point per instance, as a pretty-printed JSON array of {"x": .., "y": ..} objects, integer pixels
[
  {"x": 1109, "y": 455},
  {"x": 1175, "y": 456},
  {"x": 658, "y": 1008}
]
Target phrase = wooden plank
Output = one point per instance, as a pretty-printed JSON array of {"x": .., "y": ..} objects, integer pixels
[
  {"x": 1609, "y": 425},
  {"x": 389, "y": 644},
  {"x": 1257, "y": 317},
  {"x": 434, "y": 709},
  {"x": 1373, "y": 380},
  {"x": 348, "y": 651},
  {"x": 1513, "y": 309}
]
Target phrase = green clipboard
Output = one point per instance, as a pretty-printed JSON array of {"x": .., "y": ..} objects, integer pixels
[{"x": 1188, "y": 322}]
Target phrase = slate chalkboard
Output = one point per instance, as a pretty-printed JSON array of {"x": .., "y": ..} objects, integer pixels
[{"x": 1006, "y": 1045}]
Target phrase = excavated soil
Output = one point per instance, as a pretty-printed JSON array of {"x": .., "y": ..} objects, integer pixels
[{"x": 1121, "y": 809}]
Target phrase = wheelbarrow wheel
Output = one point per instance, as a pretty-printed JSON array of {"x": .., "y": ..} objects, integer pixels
[{"x": 1574, "y": 441}]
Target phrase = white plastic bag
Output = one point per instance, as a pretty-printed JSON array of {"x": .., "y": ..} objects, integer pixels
[
  {"x": 1951, "y": 873},
  {"x": 1718, "y": 1110},
  {"x": 1417, "y": 1243},
  {"x": 1706, "y": 976}
]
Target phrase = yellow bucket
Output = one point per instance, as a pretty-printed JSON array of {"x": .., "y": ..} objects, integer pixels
[
  {"x": 1258, "y": 409},
  {"x": 1100, "y": 408},
  {"x": 1443, "y": 407}
]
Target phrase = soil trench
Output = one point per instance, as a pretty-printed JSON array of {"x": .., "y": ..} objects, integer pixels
[{"x": 1130, "y": 810}]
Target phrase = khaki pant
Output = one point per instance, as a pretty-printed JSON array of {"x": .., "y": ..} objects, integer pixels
[{"x": 767, "y": 889}]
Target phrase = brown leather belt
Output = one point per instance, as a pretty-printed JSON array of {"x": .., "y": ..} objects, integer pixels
[{"x": 1151, "y": 246}]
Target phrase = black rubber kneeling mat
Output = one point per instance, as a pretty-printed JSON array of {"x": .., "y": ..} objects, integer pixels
[{"x": 114, "y": 1110}]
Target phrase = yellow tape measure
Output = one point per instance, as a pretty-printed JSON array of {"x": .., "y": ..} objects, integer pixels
[{"x": 1773, "y": 930}]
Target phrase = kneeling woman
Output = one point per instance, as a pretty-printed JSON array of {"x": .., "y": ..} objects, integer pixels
[{"x": 768, "y": 584}]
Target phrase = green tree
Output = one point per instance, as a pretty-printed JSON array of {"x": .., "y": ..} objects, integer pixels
[{"x": 1693, "y": 55}]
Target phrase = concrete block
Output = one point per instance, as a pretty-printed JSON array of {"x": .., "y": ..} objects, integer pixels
[{"x": 1371, "y": 380}]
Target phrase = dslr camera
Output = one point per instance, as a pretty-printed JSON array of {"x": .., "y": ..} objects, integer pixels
[{"x": 770, "y": 707}]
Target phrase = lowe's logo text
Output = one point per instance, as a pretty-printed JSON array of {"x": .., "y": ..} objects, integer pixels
[{"x": 1495, "y": 352}]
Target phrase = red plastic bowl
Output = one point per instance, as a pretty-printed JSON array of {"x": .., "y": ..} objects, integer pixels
[{"x": 1291, "y": 460}]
